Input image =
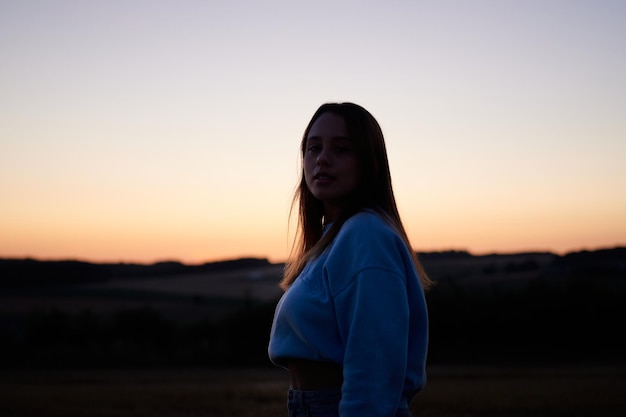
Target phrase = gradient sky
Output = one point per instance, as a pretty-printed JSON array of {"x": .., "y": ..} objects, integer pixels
[{"x": 141, "y": 131}]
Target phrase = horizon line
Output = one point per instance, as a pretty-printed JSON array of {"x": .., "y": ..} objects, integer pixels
[{"x": 266, "y": 258}]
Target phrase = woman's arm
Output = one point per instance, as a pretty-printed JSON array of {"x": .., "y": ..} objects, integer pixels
[{"x": 373, "y": 318}]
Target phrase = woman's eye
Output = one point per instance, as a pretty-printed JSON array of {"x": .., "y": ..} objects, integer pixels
[
  {"x": 342, "y": 149},
  {"x": 313, "y": 148}
]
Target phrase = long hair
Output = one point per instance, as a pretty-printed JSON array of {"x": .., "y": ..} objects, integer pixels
[{"x": 374, "y": 192}]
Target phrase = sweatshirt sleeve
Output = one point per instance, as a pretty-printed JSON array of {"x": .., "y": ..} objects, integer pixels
[
  {"x": 366, "y": 270},
  {"x": 373, "y": 317}
]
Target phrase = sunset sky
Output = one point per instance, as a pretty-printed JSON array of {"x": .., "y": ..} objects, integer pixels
[{"x": 142, "y": 131}]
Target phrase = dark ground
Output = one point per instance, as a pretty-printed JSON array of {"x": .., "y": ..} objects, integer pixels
[{"x": 452, "y": 391}]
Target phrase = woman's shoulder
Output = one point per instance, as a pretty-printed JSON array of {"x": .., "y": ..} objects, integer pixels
[
  {"x": 365, "y": 241},
  {"x": 366, "y": 231},
  {"x": 368, "y": 222}
]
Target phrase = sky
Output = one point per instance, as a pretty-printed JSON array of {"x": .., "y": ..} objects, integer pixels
[{"x": 144, "y": 131}]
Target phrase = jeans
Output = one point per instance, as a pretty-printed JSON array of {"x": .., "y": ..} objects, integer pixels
[{"x": 323, "y": 403}]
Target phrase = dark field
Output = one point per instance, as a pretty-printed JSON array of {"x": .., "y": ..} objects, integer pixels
[
  {"x": 186, "y": 325},
  {"x": 451, "y": 392}
]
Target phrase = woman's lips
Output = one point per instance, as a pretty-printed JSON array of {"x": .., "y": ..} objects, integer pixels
[{"x": 323, "y": 178}]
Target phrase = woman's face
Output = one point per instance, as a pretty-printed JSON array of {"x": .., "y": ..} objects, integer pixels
[{"x": 331, "y": 168}]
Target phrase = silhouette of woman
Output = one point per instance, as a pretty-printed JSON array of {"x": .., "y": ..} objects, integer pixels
[{"x": 352, "y": 325}]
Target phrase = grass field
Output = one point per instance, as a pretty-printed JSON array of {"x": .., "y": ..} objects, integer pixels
[{"x": 451, "y": 392}]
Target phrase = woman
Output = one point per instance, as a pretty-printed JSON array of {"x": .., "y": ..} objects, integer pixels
[{"x": 352, "y": 326}]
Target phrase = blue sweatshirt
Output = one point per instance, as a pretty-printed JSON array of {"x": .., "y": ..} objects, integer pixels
[{"x": 359, "y": 304}]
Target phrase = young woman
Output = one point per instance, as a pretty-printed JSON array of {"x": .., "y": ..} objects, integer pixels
[{"x": 352, "y": 325}]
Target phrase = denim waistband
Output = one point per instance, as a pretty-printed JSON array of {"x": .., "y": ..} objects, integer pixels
[{"x": 324, "y": 403}]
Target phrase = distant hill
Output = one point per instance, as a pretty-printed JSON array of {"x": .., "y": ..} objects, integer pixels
[
  {"x": 28, "y": 273},
  {"x": 447, "y": 268}
]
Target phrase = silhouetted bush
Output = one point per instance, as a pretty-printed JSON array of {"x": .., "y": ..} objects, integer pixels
[
  {"x": 542, "y": 322},
  {"x": 135, "y": 338}
]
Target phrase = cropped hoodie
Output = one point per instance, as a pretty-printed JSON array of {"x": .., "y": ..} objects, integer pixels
[{"x": 359, "y": 304}]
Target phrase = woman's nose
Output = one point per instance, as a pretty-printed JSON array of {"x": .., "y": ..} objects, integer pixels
[{"x": 323, "y": 158}]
